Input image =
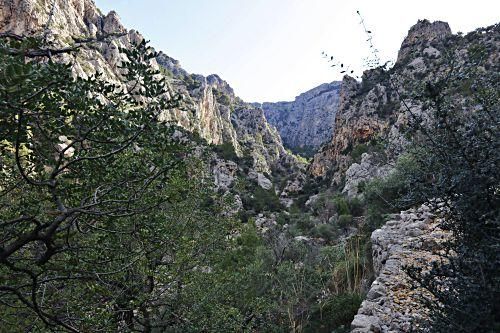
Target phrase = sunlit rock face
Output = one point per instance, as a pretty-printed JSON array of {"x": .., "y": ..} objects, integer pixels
[
  {"x": 423, "y": 33},
  {"x": 309, "y": 120},
  {"x": 210, "y": 107},
  {"x": 358, "y": 120}
]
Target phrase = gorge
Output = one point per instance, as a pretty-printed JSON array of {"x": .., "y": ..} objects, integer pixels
[{"x": 139, "y": 197}]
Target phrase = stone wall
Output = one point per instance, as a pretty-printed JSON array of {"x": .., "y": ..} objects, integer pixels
[{"x": 392, "y": 304}]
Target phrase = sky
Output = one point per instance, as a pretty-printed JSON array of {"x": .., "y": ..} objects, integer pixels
[{"x": 271, "y": 50}]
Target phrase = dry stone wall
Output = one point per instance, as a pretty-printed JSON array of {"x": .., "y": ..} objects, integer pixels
[{"x": 392, "y": 304}]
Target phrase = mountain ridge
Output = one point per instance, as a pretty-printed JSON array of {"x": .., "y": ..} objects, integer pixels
[{"x": 214, "y": 108}]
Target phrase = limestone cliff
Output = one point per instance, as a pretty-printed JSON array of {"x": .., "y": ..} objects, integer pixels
[
  {"x": 373, "y": 114},
  {"x": 309, "y": 120},
  {"x": 211, "y": 109},
  {"x": 371, "y": 133}
]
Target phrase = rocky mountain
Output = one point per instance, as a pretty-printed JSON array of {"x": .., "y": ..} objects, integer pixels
[
  {"x": 371, "y": 134},
  {"x": 210, "y": 107},
  {"x": 360, "y": 129},
  {"x": 372, "y": 114},
  {"x": 307, "y": 122}
]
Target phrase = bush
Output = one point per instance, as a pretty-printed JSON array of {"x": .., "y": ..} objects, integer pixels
[
  {"x": 261, "y": 200},
  {"x": 325, "y": 231},
  {"x": 345, "y": 221},
  {"x": 226, "y": 151},
  {"x": 341, "y": 205},
  {"x": 306, "y": 151},
  {"x": 356, "y": 207},
  {"x": 357, "y": 151},
  {"x": 390, "y": 194},
  {"x": 338, "y": 311}
]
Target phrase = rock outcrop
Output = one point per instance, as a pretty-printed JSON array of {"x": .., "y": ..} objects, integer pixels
[
  {"x": 423, "y": 32},
  {"x": 309, "y": 120},
  {"x": 373, "y": 114},
  {"x": 363, "y": 115},
  {"x": 364, "y": 171},
  {"x": 224, "y": 173},
  {"x": 210, "y": 107},
  {"x": 393, "y": 304}
]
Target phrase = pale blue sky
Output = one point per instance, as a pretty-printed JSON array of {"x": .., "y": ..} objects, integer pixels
[{"x": 270, "y": 50}]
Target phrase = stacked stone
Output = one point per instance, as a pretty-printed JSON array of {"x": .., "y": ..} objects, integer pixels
[{"x": 411, "y": 238}]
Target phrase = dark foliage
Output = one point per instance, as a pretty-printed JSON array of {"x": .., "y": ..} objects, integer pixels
[{"x": 457, "y": 159}]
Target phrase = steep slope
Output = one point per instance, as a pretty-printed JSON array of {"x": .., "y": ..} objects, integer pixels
[
  {"x": 371, "y": 133},
  {"x": 307, "y": 122},
  {"x": 373, "y": 114},
  {"x": 210, "y": 107}
]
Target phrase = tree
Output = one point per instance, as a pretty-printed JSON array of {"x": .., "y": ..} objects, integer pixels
[
  {"x": 103, "y": 224},
  {"x": 452, "y": 166}
]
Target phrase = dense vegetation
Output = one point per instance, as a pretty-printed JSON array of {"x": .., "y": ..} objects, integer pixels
[
  {"x": 100, "y": 216},
  {"x": 109, "y": 222},
  {"x": 104, "y": 227}
]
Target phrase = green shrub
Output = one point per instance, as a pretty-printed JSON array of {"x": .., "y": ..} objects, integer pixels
[
  {"x": 221, "y": 97},
  {"x": 303, "y": 223},
  {"x": 260, "y": 200},
  {"x": 345, "y": 221},
  {"x": 305, "y": 151},
  {"x": 338, "y": 311},
  {"x": 359, "y": 150},
  {"x": 226, "y": 151},
  {"x": 361, "y": 187},
  {"x": 356, "y": 207},
  {"x": 375, "y": 145},
  {"x": 282, "y": 219},
  {"x": 325, "y": 231},
  {"x": 341, "y": 205},
  {"x": 390, "y": 194}
]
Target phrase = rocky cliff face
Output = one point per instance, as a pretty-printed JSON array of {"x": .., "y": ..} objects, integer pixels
[
  {"x": 425, "y": 33},
  {"x": 357, "y": 121},
  {"x": 370, "y": 134},
  {"x": 309, "y": 120},
  {"x": 210, "y": 108},
  {"x": 372, "y": 114}
]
